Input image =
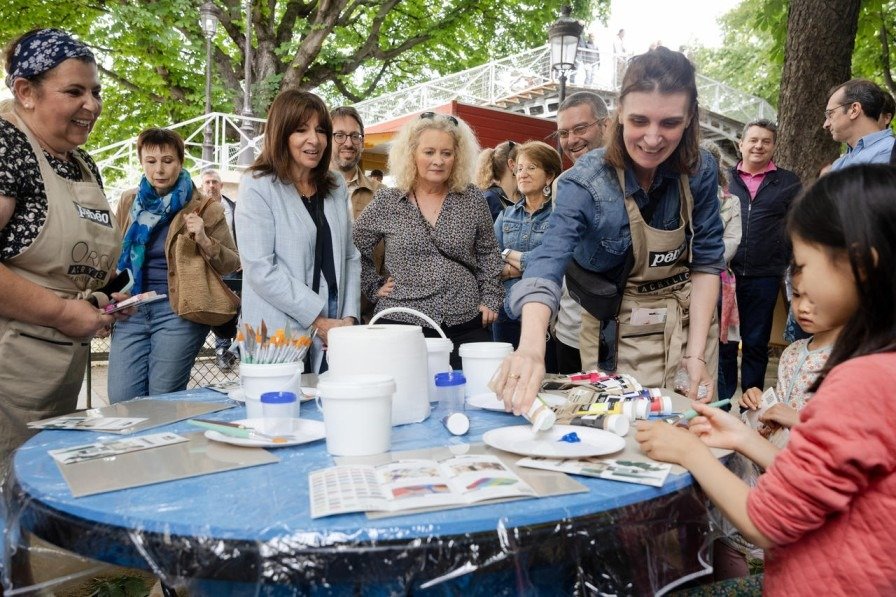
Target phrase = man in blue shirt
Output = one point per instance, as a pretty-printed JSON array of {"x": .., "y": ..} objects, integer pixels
[{"x": 852, "y": 116}]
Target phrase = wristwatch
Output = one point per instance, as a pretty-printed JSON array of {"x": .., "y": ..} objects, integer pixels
[{"x": 505, "y": 254}]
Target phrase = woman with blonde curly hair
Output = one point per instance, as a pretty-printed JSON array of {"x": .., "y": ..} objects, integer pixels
[{"x": 441, "y": 252}]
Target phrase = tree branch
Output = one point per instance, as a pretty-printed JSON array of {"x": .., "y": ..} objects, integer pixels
[
  {"x": 884, "y": 36},
  {"x": 130, "y": 86}
]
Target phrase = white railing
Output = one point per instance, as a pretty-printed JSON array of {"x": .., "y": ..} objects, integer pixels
[{"x": 494, "y": 83}]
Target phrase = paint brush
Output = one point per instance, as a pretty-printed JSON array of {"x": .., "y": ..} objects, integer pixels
[
  {"x": 237, "y": 430},
  {"x": 691, "y": 413}
]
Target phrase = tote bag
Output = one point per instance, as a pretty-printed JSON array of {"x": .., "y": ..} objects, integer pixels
[{"x": 204, "y": 297}]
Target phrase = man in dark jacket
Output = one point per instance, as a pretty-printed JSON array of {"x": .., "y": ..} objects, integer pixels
[{"x": 765, "y": 192}]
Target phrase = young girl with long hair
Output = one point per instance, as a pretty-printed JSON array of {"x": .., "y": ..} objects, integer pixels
[{"x": 823, "y": 510}]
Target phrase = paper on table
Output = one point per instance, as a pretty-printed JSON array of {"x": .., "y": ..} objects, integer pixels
[
  {"x": 150, "y": 412},
  {"x": 643, "y": 472},
  {"x": 544, "y": 483},
  {"x": 84, "y": 422},
  {"x": 198, "y": 456},
  {"x": 114, "y": 447}
]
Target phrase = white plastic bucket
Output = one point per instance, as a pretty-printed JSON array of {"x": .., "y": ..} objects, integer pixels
[
  {"x": 480, "y": 361},
  {"x": 258, "y": 378},
  {"x": 395, "y": 350},
  {"x": 438, "y": 351},
  {"x": 357, "y": 413}
]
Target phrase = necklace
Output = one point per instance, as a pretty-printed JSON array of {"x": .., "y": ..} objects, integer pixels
[{"x": 429, "y": 209}]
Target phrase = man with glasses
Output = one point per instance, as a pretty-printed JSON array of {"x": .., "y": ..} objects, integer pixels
[
  {"x": 581, "y": 122},
  {"x": 852, "y": 116},
  {"x": 348, "y": 144}
]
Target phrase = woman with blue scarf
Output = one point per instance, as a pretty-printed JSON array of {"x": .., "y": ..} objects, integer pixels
[{"x": 153, "y": 351}]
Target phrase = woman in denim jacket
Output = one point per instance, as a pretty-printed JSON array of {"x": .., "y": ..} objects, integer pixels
[
  {"x": 520, "y": 227},
  {"x": 652, "y": 191}
]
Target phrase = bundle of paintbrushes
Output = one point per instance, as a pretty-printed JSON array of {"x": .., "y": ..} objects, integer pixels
[{"x": 283, "y": 346}]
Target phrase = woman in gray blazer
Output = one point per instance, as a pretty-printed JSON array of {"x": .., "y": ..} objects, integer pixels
[{"x": 300, "y": 267}]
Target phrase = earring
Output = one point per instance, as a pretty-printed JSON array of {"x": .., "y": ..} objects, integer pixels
[{"x": 546, "y": 191}]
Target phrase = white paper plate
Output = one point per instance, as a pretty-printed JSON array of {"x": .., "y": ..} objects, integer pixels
[
  {"x": 489, "y": 401},
  {"x": 520, "y": 439},
  {"x": 304, "y": 431},
  {"x": 307, "y": 394}
]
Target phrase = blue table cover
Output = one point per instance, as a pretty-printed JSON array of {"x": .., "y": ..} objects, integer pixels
[{"x": 249, "y": 531}]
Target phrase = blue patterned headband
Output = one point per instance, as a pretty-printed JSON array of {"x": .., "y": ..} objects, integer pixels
[{"x": 43, "y": 50}]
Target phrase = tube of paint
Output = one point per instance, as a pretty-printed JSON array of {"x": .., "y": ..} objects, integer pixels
[
  {"x": 618, "y": 424},
  {"x": 540, "y": 415}
]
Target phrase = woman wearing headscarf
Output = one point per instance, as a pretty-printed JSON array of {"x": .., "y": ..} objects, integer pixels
[
  {"x": 58, "y": 240},
  {"x": 441, "y": 251},
  {"x": 153, "y": 352},
  {"x": 300, "y": 268}
]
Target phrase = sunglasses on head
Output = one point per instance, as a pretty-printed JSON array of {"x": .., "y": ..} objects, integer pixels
[{"x": 432, "y": 115}]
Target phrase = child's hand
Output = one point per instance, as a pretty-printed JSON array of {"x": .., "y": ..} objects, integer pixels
[
  {"x": 782, "y": 414},
  {"x": 717, "y": 428},
  {"x": 667, "y": 443},
  {"x": 751, "y": 398}
]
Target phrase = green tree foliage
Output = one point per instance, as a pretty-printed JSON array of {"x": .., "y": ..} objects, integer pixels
[
  {"x": 152, "y": 52},
  {"x": 752, "y": 54}
]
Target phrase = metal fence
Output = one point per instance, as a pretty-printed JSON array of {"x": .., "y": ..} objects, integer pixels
[{"x": 205, "y": 370}]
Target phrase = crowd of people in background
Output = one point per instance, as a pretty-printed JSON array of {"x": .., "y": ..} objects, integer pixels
[{"x": 500, "y": 244}]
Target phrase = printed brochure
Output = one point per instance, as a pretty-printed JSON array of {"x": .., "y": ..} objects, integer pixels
[
  {"x": 114, "y": 447},
  {"x": 412, "y": 484},
  {"x": 628, "y": 471}
]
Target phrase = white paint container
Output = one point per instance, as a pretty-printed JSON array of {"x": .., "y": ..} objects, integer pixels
[
  {"x": 480, "y": 361},
  {"x": 357, "y": 413},
  {"x": 259, "y": 378}
]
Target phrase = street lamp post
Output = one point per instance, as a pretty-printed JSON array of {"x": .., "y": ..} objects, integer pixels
[
  {"x": 563, "y": 37},
  {"x": 248, "y": 128},
  {"x": 208, "y": 21}
]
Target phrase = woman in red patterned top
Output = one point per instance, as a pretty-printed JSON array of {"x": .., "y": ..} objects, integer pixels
[{"x": 825, "y": 509}]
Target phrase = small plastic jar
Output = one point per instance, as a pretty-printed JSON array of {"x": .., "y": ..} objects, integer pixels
[
  {"x": 278, "y": 410},
  {"x": 451, "y": 387}
]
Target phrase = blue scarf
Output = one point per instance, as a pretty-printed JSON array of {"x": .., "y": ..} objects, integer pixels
[{"x": 149, "y": 212}]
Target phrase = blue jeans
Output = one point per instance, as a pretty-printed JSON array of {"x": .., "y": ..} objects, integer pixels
[
  {"x": 756, "y": 298},
  {"x": 152, "y": 352},
  {"x": 506, "y": 329}
]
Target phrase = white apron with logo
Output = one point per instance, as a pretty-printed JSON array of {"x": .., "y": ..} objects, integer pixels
[
  {"x": 654, "y": 317},
  {"x": 75, "y": 253}
]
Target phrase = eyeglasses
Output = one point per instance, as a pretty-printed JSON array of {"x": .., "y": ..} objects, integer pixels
[
  {"x": 830, "y": 111},
  {"x": 432, "y": 115},
  {"x": 577, "y": 130},
  {"x": 355, "y": 137},
  {"x": 529, "y": 168}
]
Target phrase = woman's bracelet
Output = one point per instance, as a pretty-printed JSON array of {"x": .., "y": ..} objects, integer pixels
[{"x": 687, "y": 356}]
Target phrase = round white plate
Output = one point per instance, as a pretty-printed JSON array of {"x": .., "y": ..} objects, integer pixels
[
  {"x": 520, "y": 439},
  {"x": 304, "y": 431},
  {"x": 489, "y": 401},
  {"x": 307, "y": 394}
]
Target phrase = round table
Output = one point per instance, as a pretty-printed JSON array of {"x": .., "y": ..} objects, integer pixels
[{"x": 239, "y": 530}]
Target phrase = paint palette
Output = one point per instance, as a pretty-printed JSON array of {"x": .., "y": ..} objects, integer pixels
[{"x": 520, "y": 439}]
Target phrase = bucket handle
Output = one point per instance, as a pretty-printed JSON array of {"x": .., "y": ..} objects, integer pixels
[{"x": 414, "y": 312}]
